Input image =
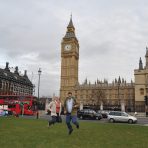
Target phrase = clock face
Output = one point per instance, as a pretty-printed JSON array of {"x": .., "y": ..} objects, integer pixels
[{"x": 67, "y": 47}]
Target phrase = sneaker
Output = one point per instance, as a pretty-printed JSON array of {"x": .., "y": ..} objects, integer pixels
[
  {"x": 70, "y": 131},
  {"x": 77, "y": 126}
]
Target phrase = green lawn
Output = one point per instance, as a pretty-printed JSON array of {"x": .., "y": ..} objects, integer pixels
[{"x": 33, "y": 133}]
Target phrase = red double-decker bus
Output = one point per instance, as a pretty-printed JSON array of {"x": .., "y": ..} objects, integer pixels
[{"x": 24, "y": 105}]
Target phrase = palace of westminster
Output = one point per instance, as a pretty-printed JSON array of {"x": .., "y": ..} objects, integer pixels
[{"x": 119, "y": 93}]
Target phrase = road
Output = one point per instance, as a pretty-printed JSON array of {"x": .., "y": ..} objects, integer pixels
[{"x": 141, "y": 120}]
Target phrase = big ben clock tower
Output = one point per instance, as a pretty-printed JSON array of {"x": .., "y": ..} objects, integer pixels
[{"x": 69, "y": 61}]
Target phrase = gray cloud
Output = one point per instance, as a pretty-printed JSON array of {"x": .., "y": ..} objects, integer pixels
[{"x": 112, "y": 36}]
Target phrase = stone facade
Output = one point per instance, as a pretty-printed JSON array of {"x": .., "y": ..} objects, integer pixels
[
  {"x": 119, "y": 93},
  {"x": 13, "y": 83},
  {"x": 69, "y": 62},
  {"x": 141, "y": 83},
  {"x": 109, "y": 95}
]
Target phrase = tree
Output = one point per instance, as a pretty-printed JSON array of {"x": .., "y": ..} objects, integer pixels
[{"x": 100, "y": 96}]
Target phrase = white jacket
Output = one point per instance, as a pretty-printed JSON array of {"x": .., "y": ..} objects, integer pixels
[{"x": 52, "y": 108}]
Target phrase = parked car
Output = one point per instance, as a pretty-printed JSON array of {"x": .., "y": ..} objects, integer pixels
[
  {"x": 119, "y": 116},
  {"x": 88, "y": 114},
  {"x": 103, "y": 113}
]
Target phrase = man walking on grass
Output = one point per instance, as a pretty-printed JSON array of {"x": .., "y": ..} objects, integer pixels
[{"x": 70, "y": 107}]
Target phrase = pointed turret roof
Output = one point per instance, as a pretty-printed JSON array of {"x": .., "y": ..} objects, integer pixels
[
  {"x": 140, "y": 60},
  {"x": 146, "y": 52},
  {"x": 119, "y": 80},
  {"x": 140, "y": 64},
  {"x": 70, "y": 25},
  {"x": 70, "y": 33}
]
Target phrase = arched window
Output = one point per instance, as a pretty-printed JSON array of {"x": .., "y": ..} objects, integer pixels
[{"x": 141, "y": 91}]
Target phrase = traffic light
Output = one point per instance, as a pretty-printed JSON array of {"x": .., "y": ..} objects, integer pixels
[{"x": 146, "y": 100}]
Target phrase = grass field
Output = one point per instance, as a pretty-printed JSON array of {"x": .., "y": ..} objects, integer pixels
[{"x": 32, "y": 133}]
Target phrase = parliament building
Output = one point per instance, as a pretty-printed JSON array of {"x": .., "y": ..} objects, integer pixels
[{"x": 128, "y": 96}]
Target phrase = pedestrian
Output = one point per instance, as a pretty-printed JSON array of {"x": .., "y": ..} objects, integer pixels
[
  {"x": 37, "y": 114},
  {"x": 58, "y": 109},
  {"x": 70, "y": 107},
  {"x": 52, "y": 108}
]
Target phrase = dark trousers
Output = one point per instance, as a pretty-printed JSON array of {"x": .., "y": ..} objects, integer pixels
[
  {"x": 52, "y": 120},
  {"x": 59, "y": 119},
  {"x": 72, "y": 118}
]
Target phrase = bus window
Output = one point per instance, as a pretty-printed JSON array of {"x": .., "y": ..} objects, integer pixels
[{"x": 11, "y": 106}]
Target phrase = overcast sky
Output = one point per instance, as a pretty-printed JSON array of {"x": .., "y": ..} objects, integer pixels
[{"x": 112, "y": 34}]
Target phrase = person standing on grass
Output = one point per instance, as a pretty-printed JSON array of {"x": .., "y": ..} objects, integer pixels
[
  {"x": 58, "y": 110},
  {"x": 70, "y": 107},
  {"x": 52, "y": 108}
]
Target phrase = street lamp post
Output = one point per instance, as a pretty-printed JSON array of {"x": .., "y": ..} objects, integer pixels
[{"x": 39, "y": 73}]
